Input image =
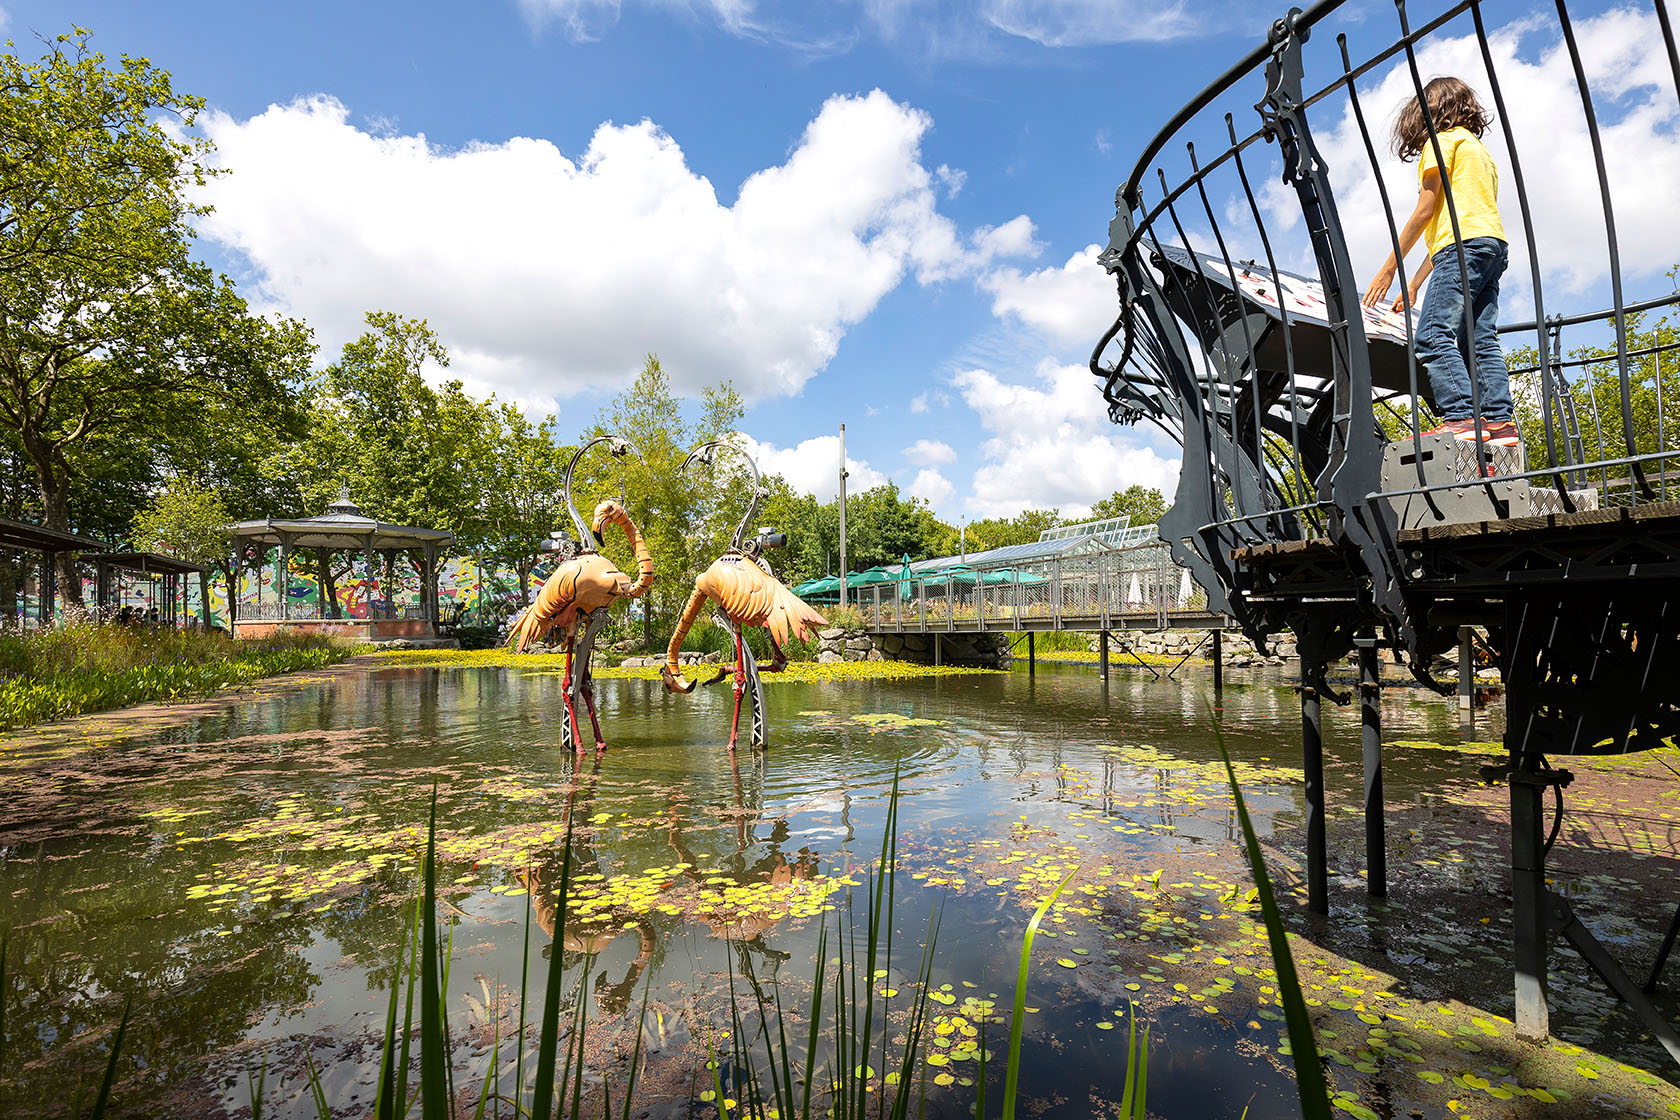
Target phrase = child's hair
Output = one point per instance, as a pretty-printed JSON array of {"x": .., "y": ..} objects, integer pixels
[{"x": 1452, "y": 104}]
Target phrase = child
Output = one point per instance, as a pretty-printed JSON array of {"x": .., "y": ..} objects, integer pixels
[{"x": 1459, "y": 121}]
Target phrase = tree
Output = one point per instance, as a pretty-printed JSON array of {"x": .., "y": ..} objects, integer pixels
[
  {"x": 189, "y": 522},
  {"x": 1143, "y": 504},
  {"x": 882, "y": 528},
  {"x": 686, "y": 516},
  {"x": 523, "y": 503},
  {"x": 110, "y": 329}
]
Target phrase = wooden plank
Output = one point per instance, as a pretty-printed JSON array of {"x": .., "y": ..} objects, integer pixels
[{"x": 1619, "y": 515}]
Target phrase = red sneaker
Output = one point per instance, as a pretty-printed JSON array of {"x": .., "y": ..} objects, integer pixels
[
  {"x": 1501, "y": 433},
  {"x": 1458, "y": 429}
]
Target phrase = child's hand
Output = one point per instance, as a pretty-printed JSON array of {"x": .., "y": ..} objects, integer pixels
[{"x": 1378, "y": 288}]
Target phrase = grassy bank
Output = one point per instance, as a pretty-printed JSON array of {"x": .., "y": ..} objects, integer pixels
[
  {"x": 81, "y": 667},
  {"x": 797, "y": 671}
]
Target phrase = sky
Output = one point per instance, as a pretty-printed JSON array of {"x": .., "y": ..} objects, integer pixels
[{"x": 877, "y": 213}]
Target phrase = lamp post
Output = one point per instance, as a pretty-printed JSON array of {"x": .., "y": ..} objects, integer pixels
[
  {"x": 842, "y": 517},
  {"x": 962, "y": 537}
]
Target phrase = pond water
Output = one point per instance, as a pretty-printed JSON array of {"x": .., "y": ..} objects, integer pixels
[{"x": 244, "y": 876}]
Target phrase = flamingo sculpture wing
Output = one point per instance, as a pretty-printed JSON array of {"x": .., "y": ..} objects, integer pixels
[
  {"x": 748, "y": 594},
  {"x": 580, "y": 592}
]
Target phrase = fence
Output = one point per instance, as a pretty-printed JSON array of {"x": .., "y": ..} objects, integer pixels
[{"x": 1130, "y": 588}]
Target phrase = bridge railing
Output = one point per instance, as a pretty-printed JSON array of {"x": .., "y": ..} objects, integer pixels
[
  {"x": 1302, "y": 413},
  {"x": 1130, "y": 588}
]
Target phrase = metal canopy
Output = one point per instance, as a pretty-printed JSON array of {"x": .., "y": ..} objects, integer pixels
[
  {"x": 38, "y": 538},
  {"x": 342, "y": 526},
  {"x": 146, "y": 563}
]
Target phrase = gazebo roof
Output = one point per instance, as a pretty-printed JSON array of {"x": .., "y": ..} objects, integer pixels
[{"x": 342, "y": 526}]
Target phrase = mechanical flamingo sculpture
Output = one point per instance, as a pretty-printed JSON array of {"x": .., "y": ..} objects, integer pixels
[
  {"x": 580, "y": 593},
  {"x": 747, "y": 593}
]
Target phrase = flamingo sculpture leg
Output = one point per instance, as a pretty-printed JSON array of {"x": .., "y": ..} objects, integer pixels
[
  {"x": 582, "y": 589},
  {"x": 747, "y": 595}
]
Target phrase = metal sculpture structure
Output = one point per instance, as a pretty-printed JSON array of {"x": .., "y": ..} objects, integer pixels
[
  {"x": 579, "y": 595},
  {"x": 1309, "y": 498},
  {"x": 747, "y": 593}
]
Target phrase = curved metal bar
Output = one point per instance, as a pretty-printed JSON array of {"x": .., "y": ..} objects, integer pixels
[
  {"x": 1302, "y": 20},
  {"x": 619, "y": 446},
  {"x": 706, "y": 453}
]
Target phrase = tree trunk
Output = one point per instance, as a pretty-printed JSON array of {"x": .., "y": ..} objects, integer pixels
[
  {"x": 54, "y": 483},
  {"x": 523, "y": 567},
  {"x": 328, "y": 585}
]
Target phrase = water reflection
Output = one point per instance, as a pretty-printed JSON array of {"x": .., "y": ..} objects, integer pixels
[{"x": 686, "y": 868}]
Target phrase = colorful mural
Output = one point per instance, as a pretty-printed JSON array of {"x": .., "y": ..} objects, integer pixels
[{"x": 460, "y": 588}]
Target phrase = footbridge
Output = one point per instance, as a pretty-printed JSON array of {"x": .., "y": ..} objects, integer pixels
[{"x": 1313, "y": 494}]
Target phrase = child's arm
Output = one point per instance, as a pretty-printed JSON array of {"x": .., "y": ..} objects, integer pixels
[
  {"x": 1411, "y": 297},
  {"x": 1429, "y": 194}
]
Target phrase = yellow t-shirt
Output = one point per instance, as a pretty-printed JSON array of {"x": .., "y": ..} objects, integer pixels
[{"x": 1474, "y": 179}]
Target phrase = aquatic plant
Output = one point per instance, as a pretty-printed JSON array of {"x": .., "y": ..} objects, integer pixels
[
  {"x": 1309, "y": 1072},
  {"x": 81, "y": 667}
]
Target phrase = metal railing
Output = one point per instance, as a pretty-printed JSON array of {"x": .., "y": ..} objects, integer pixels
[
  {"x": 1131, "y": 588},
  {"x": 311, "y": 612},
  {"x": 1302, "y": 413}
]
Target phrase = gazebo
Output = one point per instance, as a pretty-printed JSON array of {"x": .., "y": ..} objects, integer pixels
[{"x": 342, "y": 528}]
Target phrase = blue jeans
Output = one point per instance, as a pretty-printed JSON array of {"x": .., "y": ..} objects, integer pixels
[{"x": 1440, "y": 332}]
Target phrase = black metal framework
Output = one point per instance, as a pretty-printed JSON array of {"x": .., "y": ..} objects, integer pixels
[{"x": 1311, "y": 495}]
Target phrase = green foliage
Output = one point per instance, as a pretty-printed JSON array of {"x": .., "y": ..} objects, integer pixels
[
  {"x": 1143, "y": 504},
  {"x": 848, "y": 617},
  {"x": 55, "y": 674},
  {"x": 112, "y": 331},
  {"x": 882, "y": 527},
  {"x": 410, "y": 453},
  {"x": 186, "y": 520},
  {"x": 1595, "y": 390},
  {"x": 688, "y": 516}
]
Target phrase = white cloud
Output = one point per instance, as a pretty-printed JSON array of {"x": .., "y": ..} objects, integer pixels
[
  {"x": 919, "y": 402},
  {"x": 1051, "y": 444},
  {"x": 945, "y": 28},
  {"x": 546, "y": 275},
  {"x": 932, "y": 487},
  {"x": 927, "y": 452},
  {"x": 813, "y": 466},
  {"x": 1065, "y": 23},
  {"x": 1072, "y": 305}
]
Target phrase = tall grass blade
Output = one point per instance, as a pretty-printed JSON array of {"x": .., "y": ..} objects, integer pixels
[
  {"x": 1309, "y": 1071},
  {"x": 524, "y": 986},
  {"x": 5, "y": 945},
  {"x": 256, "y": 1088},
  {"x": 816, "y": 1019},
  {"x": 400, "y": 1101},
  {"x": 386, "y": 1098},
  {"x": 1127, "y": 1094},
  {"x": 434, "y": 1055},
  {"x": 495, "y": 1055},
  {"x": 104, "y": 1097},
  {"x": 636, "y": 1051},
  {"x": 317, "y": 1093},
  {"x": 1017, "y": 1021},
  {"x": 1140, "y": 1110},
  {"x": 542, "y": 1094}
]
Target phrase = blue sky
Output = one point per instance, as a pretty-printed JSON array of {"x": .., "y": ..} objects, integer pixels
[{"x": 562, "y": 185}]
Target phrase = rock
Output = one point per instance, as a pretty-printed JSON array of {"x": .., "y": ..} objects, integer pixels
[
  {"x": 854, "y": 655},
  {"x": 862, "y": 645},
  {"x": 874, "y": 655},
  {"x": 714, "y": 657},
  {"x": 827, "y": 657},
  {"x": 831, "y": 634}
]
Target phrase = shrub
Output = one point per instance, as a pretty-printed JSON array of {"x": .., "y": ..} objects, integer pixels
[{"x": 82, "y": 667}]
